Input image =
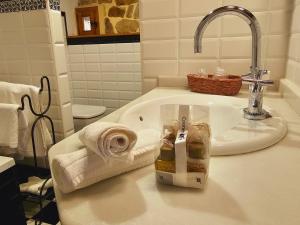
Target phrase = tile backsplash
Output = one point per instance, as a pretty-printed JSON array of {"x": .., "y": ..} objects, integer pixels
[
  {"x": 290, "y": 86},
  {"x": 32, "y": 45},
  {"x": 167, "y": 31},
  {"x": 105, "y": 74},
  {"x": 293, "y": 64}
]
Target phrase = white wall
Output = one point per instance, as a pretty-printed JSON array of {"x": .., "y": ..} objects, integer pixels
[
  {"x": 32, "y": 45},
  {"x": 167, "y": 30},
  {"x": 105, "y": 74},
  {"x": 290, "y": 86},
  {"x": 293, "y": 65},
  {"x": 68, "y": 6}
]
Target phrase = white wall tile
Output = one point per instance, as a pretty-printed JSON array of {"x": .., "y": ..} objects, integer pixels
[
  {"x": 90, "y": 49},
  {"x": 109, "y": 58},
  {"x": 197, "y": 8},
  {"x": 36, "y": 18},
  {"x": 235, "y": 26},
  {"x": 124, "y": 48},
  {"x": 18, "y": 67},
  {"x": 107, "y": 48},
  {"x": 236, "y": 66},
  {"x": 38, "y": 36},
  {"x": 15, "y": 52},
  {"x": 149, "y": 84},
  {"x": 280, "y": 22},
  {"x": 277, "y": 46},
  {"x": 78, "y": 58},
  {"x": 15, "y": 21},
  {"x": 91, "y": 58},
  {"x": 77, "y": 67},
  {"x": 92, "y": 67},
  {"x": 68, "y": 124},
  {"x": 172, "y": 81},
  {"x": 252, "y": 5},
  {"x": 40, "y": 52},
  {"x": 281, "y": 4},
  {"x": 240, "y": 47},
  {"x": 75, "y": 49},
  {"x": 210, "y": 49},
  {"x": 12, "y": 37},
  {"x": 159, "y": 29},
  {"x": 60, "y": 59},
  {"x": 194, "y": 66},
  {"x": 160, "y": 49},
  {"x": 56, "y": 27},
  {"x": 154, "y": 68},
  {"x": 63, "y": 85},
  {"x": 188, "y": 26},
  {"x": 160, "y": 9}
]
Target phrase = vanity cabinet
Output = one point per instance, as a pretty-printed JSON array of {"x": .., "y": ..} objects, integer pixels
[{"x": 12, "y": 211}]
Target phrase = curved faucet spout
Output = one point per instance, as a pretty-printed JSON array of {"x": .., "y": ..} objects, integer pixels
[{"x": 245, "y": 15}]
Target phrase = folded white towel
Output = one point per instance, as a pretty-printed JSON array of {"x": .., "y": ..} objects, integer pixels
[
  {"x": 82, "y": 168},
  {"x": 35, "y": 184},
  {"x": 109, "y": 140},
  {"x": 13, "y": 123},
  {"x": 12, "y": 93}
]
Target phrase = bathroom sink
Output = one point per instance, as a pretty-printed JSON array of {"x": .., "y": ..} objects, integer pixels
[{"x": 231, "y": 133}]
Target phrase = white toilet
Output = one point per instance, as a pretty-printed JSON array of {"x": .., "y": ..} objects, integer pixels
[{"x": 84, "y": 115}]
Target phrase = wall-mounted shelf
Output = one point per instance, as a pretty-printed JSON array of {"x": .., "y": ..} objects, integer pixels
[{"x": 103, "y": 39}]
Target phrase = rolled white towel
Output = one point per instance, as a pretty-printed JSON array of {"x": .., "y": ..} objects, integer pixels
[
  {"x": 82, "y": 168},
  {"x": 109, "y": 140}
]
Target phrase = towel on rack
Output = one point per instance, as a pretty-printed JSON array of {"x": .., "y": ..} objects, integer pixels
[
  {"x": 82, "y": 168},
  {"x": 109, "y": 140},
  {"x": 11, "y": 93},
  {"x": 13, "y": 124},
  {"x": 35, "y": 184}
]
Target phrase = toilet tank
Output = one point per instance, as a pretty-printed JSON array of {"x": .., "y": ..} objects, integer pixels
[{"x": 84, "y": 115}]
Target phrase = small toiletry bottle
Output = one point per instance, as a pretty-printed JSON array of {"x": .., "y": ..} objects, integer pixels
[{"x": 220, "y": 71}]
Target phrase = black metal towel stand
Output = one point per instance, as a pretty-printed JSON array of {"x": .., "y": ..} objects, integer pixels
[{"x": 39, "y": 116}]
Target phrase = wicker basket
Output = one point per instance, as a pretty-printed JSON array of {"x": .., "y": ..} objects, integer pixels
[{"x": 217, "y": 85}]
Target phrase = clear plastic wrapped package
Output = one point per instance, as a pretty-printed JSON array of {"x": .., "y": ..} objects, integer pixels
[{"x": 185, "y": 144}]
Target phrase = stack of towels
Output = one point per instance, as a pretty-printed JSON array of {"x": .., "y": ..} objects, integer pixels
[
  {"x": 17, "y": 123},
  {"x": 111, "y": 149}
]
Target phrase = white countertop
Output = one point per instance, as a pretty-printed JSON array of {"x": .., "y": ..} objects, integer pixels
[
  {"x": 259, "y": 188},
  {"x": 6, "y": 163}
]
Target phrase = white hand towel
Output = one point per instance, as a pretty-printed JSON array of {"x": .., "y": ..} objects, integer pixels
[
  {"x": 12, "y": 126},
  {"x": 35, "y": 184},
  {"x": 109, "y": 140},
  {"x": 12, "y": 93},
  {"x": 82, "y": 168}
]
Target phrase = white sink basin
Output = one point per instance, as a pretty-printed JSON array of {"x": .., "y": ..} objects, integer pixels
[{"x": 231, "y": 133}]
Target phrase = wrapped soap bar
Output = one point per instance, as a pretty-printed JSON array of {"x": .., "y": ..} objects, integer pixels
[
  {"x": 167, "y": 149},
  {"x": 185, "y": 143},
  {"x": 198, "y": 141}
]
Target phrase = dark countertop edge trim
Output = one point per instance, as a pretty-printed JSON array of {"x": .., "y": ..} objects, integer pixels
[{"x": 103, "y": 40}]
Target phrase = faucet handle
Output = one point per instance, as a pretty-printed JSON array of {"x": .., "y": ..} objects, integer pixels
[
  {"x": 262, "y": 82},
  {"x": 248, "y": 75}
]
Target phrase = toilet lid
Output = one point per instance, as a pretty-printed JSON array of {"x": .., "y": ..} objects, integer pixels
[{"x": 87, "y": 111}]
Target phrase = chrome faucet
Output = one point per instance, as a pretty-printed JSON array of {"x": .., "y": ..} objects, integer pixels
[{"x": 254, "y": 111}]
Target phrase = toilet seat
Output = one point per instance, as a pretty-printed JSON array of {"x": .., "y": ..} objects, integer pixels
[{"x": 87, "y": 111}]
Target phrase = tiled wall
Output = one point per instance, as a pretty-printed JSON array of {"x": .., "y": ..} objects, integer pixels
[
  {"x": 167, "y": 30},
  {"x": 32, "y": 45},
  {"x": 105, "y": 74},
  {"x": 293, "y": 65},
  {"x": 291, "y": 85}
]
